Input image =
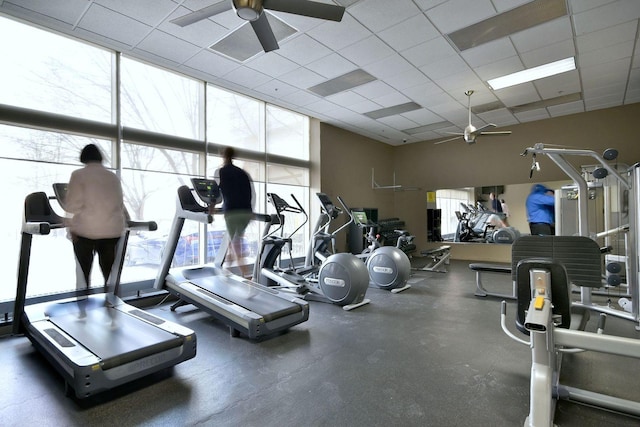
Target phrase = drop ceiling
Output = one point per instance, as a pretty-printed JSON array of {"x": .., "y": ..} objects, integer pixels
[{"x": 409, "y": 61}]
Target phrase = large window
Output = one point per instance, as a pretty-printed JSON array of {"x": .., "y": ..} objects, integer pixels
[
  {"x": 159, "y": 101},
  {"x": 52, "y": 73},
  {"x": 162, "y": 121},
  {"x": 287, "y": 133},
  {"x": 32, "y": 161},
  {"x": 234, "y": 120}
]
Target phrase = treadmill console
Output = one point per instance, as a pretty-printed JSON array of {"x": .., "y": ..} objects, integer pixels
[
  {"x": 207, "y": 190},
  {"x": 332, "y": 210}
]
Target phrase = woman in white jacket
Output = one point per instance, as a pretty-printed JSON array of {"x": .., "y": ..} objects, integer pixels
[{"x": 95, "y": 199}]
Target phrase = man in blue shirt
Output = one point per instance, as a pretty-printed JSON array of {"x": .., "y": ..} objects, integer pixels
[{"x": 540, "y": 210}]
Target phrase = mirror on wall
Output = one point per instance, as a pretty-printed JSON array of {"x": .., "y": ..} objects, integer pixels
[{"x": 487, "y": 214}]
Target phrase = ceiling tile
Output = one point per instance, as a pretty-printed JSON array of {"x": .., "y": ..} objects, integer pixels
[
  {"x": 398, "y": 43},
  {"x": 607, "y": 37},
  {"x": 337, "y": 35},
  {"x": 603, "y": 74},
  {"x": 518, "y": 95},
  {"x": 407, "y": 79},
  {"x": 578, "y": 6},
  {"x": 560, "y": 84},
  {"x": 566, "y": 109},
  {"x": 389, "y": 66},
  {"x": 550, "y": 53},
  {"x": 302, "y": 78},
  {"x": 444, "y": 67},
  {"x": 377, "y": 15},
  {"x": 428, "y": 52},
  {"x": 605, "y": 16},
  {"x": 489, "y": 52},
  {"x": 209, "y": 62},
  {"x": 422, "y": 116},
  {"x": 68, "y": 12},
  {"x": 409, "y": 33},
  {"x": 542, "y": 35},
  {"x": 300, "y": 98},
  {"x": 607, "y": 54},
  {"x": 500, "y": 68},
  {"x": 303, "y": 49},
  {"x": 366, "y": 51},
  {"x": 455, "y": 14},
  {"x": 114, "y": 25},
  {"x": 349, "y": 98},
  {"x": 275, "y": 89},
  {"x": 168, "y": 46},
  {"x": 373, "y": 90},
  {"x": 246, "y": 77},
  {"x": 532, "y": 115},
  {"x": 391, "y": 99},
  {"x": 202, "y": 33},
  {"x": 398, "y": 122},
  {"x": 271, "y": 64},
  {"x": 331, "y": 66},
  {"x": 364, "y": 106},
  {"x": 150, "y": 12}
]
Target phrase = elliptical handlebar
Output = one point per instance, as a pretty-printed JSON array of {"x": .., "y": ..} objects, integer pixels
[
  {"x": 348, "y": 211},
  {"x": 281, "y": 205}
]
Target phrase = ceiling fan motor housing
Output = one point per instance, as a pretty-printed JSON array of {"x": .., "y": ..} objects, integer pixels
[{"x": 249, "y": 10}]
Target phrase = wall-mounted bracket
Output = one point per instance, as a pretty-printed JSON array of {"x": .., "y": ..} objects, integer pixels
[{"x": 394, "y": 186}]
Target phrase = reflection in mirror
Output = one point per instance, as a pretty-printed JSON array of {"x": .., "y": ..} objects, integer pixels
[{"x": 470, "y": 214}]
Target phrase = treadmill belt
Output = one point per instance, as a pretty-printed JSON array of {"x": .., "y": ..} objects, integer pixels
[
  {"x": 246, "y": 294},
  {"x": 114, "y": 336}
]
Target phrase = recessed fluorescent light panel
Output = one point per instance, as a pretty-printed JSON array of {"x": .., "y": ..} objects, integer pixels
[
  {"x": 521, "y": 18},
  {"x": 536, "y": 73},
  {"x": 392, "y": 111},
  {"x": 341, "y": 83}
]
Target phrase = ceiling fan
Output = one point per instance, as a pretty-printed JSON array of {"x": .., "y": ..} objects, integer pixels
[
  {"x": 253, "y": 11},
  {"x": 471, "y": 132}
]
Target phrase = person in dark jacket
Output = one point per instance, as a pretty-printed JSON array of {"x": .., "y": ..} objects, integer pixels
[
  {"x": 540, "y": 206},
  {"x": 237, "y": 195}
]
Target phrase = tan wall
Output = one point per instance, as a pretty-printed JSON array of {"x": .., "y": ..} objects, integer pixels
[
  {"x": 347, "y": 159},
  {"x": 346, "y": 163}
]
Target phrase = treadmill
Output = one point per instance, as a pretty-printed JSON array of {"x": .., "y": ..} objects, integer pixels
[
  {"x": 244, "y": 306},
  {"x": 111, "y": 343}
]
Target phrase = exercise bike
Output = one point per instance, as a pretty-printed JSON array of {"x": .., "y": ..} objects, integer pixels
[
  {"x": 388, "y": 266},
  {"x": 340, "y": 279}
]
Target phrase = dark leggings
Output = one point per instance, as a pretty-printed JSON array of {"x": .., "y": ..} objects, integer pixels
[{"x": 85, "y": 249}]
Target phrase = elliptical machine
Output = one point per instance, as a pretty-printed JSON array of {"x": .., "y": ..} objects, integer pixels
[
  {"x": 388, "y": 266},
  {"x": 340, "y": 279}
]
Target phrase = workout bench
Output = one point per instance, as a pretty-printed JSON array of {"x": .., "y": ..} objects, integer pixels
[
  {"x": 481, "y": 268},
  {"x": 439, "y": 257}
]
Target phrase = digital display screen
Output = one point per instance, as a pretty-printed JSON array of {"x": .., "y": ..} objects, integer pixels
[
  {"x": 207, "y": 189},
  {"x": 360, "y": 217}
]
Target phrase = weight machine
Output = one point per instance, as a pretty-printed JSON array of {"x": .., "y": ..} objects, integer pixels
[
  {"x": 556, "y": 326},
  {"x": 629, "y": 181}
]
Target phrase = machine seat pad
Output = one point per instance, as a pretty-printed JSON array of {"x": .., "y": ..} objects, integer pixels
[{"x": 493, "y": 268}]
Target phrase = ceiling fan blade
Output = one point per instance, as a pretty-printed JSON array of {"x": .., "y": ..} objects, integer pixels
[
  {"x": 265, "y": 33},
  {"x": 501, "y": 132},
  {"x": 203, "y": 13},
  {"x": 446, "y": 140},
  {"x": 312, "y": 9},
  {"x": 482, "y": 128}
]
